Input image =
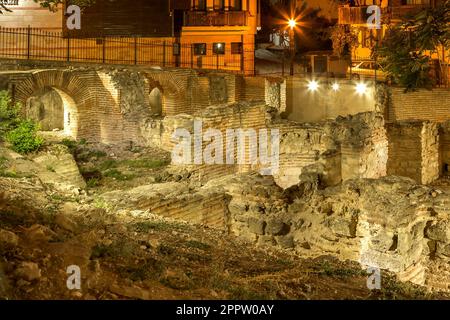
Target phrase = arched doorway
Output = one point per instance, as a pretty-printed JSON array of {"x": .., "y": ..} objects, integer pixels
[
  {"x": 53, "y": 109},
  {"x": 156, "y": 101}
]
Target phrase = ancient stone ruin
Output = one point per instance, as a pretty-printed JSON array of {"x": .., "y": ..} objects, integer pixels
[{"x": 358, "y": 187}]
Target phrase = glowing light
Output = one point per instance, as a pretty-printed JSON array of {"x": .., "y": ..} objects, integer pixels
[
  {"x": 313, "y": 85},
  {"x": 292, "y": 23},
  {"x": 361, "y": 88},
  {"x": 335, "y": 86}
]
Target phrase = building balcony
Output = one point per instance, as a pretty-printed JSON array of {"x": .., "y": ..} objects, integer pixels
[
  {"x": 353, "y": 15},
  {"x": 215, "y": 19},
  {"x": 359, "y": 15},
  {"x": 398, "y": 12}
]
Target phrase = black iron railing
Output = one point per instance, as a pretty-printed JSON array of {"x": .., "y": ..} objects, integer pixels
[{"x": 35, "y": 44}]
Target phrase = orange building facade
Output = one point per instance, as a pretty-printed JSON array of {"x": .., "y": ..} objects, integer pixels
[
  {"x": 204, "y": 34},
  {"x": 392, "y": 12}
]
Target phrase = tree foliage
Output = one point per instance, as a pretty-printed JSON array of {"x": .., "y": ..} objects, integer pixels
[
  {"x": 344, "y": 39},
  {"x": 405, "y": 65},
  {"x": 403, "y": 52}
]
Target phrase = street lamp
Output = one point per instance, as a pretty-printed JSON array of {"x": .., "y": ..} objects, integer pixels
[{"x": 292, "y": 24}]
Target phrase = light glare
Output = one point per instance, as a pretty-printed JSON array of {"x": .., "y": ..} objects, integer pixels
[
  {"x": 292, "y": 23},
  {"x": 313, "y": 85},
  {"x": 361, "y": 88},
  {"x": 335, "y": 86}
]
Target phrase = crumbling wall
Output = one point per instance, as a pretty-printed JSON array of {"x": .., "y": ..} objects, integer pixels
[
  {"x": 414, "y": 150},
  {"x": 444, "y": 140},
  {"x": 363, "y": 143},
  {"x": 345, "y": 148},
  {"x": 388, "y": 223}
]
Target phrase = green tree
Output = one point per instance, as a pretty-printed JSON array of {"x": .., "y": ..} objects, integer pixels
[
  {"x": 400, "y": 58},
  {"x": 432, "y": 31},
  {"x": 403, "y": 51},
  {"x": 344, "y": 40}
]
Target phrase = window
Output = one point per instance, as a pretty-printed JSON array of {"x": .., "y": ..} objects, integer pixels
[
  {"x": 200, "y": 5},
  {"x": 199, "y": 49},
  {"x": 236, "y": 48},
  {"x": 219, "y": 48},
  {"x": 236, "y": 5},
  {"x": 219, "y": 5}
]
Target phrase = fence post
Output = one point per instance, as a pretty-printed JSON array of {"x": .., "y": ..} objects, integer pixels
[
  {"x": 192, "y": 56},
  {"x": 68, "y": 48},
  {"x": 104, "y": 50},
  {"x": 217, "y": 61},
  {"x": 135, "y": 50},
  {"x": 242, "y": 54},
  {"x": 164, "y": 53},
  {"x": 28, "y": 42}
]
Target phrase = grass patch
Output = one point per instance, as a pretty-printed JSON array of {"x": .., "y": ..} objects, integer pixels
[
  {"x": 92, "y": 183},
  {"x": 121, "y": 247},
  {"x": 326, "y": 268},
  {"x": 166, "y": 250},
  {"x": 197, "y": 245},
  {"x": 145, "y": 163},
  {"x": 150, "y": 269},
  {"x": 8, "y": 174},
  {"x": 70, "y": 144},
  {"x": 146, "y": 226},
  {"x": 108, "y": 164},
  {"x": 117, "y": 175}
]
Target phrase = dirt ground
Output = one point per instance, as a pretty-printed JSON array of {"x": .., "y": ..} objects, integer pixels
[{"x": 137, "y": 255}]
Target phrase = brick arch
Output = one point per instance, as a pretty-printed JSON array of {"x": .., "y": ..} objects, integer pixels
[
  {"x": 173, "y": 89},
  {"x": 89, "y": 104}
]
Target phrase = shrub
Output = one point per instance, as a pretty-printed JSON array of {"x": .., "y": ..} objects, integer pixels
[
  {"x": 24, "y": 137},
  {"x": 22, "y": 134},
  {"x": 9, "y": 113}
]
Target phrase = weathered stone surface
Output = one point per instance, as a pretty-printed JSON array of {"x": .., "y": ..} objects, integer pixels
[
  {"x": 61, "y": 170},
  {"x": 8, "y": 238},
  {"x": 130, "y": 292},
  {"x": 277, "y": 227},
  {"x": 66, "y": 223},
  {"x": 28, "y": 271},
  {"x": 439, "y": 231},
  {"x": 256, "y": 226}
]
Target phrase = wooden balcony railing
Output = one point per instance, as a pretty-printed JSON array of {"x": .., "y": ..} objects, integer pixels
[
  {"x": 358, "y": 15},
  {"x": 397, "y": 13},
  {"x": 353, "y": 15},
  {"x": 204, "y": 19}
]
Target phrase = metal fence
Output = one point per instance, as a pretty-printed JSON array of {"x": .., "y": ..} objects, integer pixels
[{"x": 36, "y": 44}]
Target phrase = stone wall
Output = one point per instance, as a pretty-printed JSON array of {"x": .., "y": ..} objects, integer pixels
[
  {"x": 414, "y": 150},
  {"x": 345, "y": 148},
  {"x": 304, "y": 105},
  {"x": 389, "y": 223},
  {"x": 433, "y": 105}
]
